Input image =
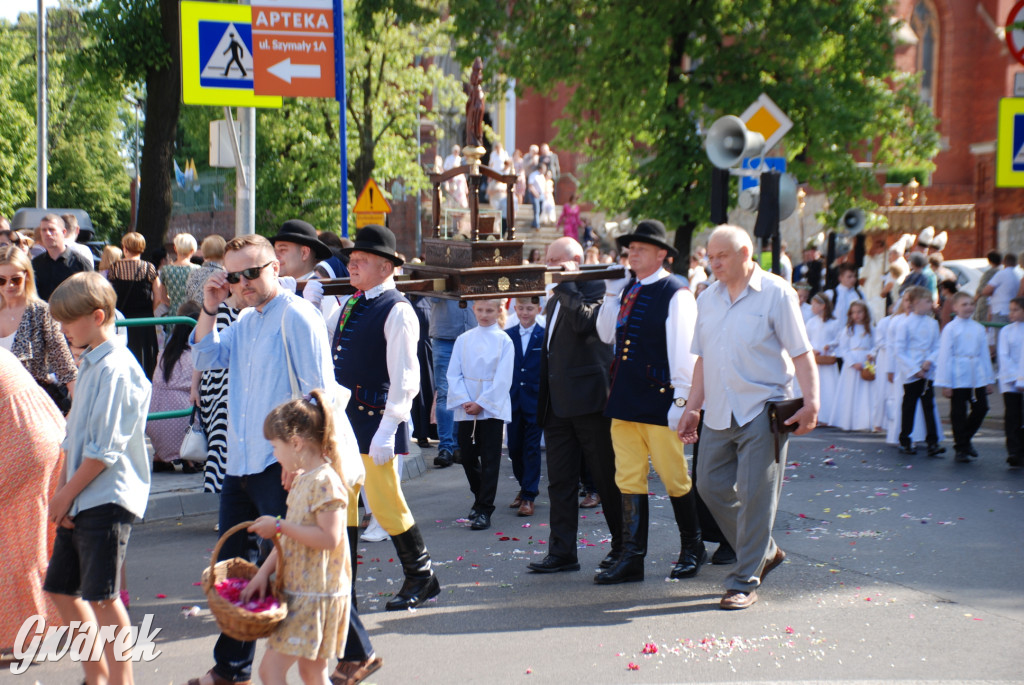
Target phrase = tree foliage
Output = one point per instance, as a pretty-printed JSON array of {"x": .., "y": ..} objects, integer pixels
[
  {"x": 85, "y": 133},
  {"x": 649, "y": 76}
]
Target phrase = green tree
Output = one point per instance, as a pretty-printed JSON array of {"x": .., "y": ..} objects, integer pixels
[
  {"x": 84, "y": 136},
  {"x": 137, "y": 41},
  {"x": 647, "y": 77}
]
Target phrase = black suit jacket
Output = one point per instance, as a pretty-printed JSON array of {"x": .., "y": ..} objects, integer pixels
[{"x": 575, "y": 364}]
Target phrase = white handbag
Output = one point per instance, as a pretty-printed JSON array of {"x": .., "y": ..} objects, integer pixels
[
  {"x": 194, "y": 447},
  {"x": 348, "y": 447}
]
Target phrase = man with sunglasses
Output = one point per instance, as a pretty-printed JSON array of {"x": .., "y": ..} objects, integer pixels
[{"x": 252, "y": 348}]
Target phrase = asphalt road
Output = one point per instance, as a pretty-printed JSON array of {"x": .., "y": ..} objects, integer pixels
[{"x": 900, "y": 569}]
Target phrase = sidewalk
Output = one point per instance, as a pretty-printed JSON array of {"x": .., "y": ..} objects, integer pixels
[{"x": 173, "y": 495}]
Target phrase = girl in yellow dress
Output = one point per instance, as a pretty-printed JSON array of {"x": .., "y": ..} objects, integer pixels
[{"x": 317, "y": 568}]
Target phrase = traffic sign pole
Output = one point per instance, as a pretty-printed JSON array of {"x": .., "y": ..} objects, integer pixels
[{"x": 340, "y": 94}]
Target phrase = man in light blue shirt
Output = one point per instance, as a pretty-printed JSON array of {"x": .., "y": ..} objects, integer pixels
[{"x": 252, "y": 349}]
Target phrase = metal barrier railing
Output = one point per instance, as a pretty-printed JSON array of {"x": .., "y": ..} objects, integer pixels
[{"x": 160, "y": 321}]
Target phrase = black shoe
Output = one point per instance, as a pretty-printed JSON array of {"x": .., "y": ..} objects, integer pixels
[
  {"x": 481, "y": 522},
  {"x": 422, "y": 442},
  {"x": 420, "y": 582},
  {"x": 471, "y": 516},
  {"x": 551, "y": 564},
  {"x": 907, "y": 448},
  {"x": 689, "y": 563},
  {"x": 456, "y": 455},
  {"x": 971, "y": 451},
  {"x": 609, "y": 560},
  {"x": 724, "y": 555},
  {"x": 935, "y": 450},
  {"x": 162, "y": 467},
  {"x": 1015, "y": 462},
  {"x": 629, "y": 567},
  {"x": 443, "y": 459},
  {"x": 962, "y": 458}
]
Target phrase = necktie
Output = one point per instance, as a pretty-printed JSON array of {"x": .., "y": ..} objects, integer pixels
[
  {"x": 349, "y": 306},
  {"x": 627, "y": 305}
]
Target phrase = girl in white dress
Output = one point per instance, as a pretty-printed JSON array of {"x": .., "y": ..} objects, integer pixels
[
  {"x": 853, "y": 406},
  {"x": 883, "y": 389},
  {"x": 823, "y": 333}
]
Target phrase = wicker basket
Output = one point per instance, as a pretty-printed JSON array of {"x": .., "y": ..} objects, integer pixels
[
  {"x": 235, "y": 621},
  {"x": 867, "y": 374}
]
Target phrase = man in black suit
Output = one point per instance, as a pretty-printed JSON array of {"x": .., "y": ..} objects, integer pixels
[{"x": 573, "y": 391}]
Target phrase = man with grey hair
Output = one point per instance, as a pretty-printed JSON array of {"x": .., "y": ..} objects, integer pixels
[
  {"x": 56, "y": 265},
  {"x": 748, "y": 321}
]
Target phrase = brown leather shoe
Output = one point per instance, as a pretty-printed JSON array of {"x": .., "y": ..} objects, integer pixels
[
  {"x": 772, "y": 563},
  {"x": 526, "y": 508},
  {"x": 734, "y": 599},
  {"x": 352, "y": 672},
  {"x": 516, "y": 502},
  {"x": 590, "y": 501}
]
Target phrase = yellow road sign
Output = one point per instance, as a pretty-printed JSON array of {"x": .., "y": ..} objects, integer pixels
[
  {"x": 1010, "y": 148},
  {"x": 367, "y": 218},
  {"x": 372, "y": 200},
  {"x": 765, "y": 117},
  {"x": 216, "y": 56}
]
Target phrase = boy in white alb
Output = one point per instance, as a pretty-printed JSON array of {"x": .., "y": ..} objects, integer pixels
[
  {"x": 1011, "y": 380},
  {"x": 917, "y": 346},
  {"x": 964, "y": 372}
]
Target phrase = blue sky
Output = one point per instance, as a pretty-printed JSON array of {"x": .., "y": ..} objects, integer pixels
[{"x": 10, "y": 9}]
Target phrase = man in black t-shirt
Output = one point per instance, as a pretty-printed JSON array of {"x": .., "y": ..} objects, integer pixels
[{"x": 56, "y": 265}]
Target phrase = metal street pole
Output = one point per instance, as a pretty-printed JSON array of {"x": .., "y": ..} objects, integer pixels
[
  {"x": 340, "y": 95},
  {"x": 245, "y": 189},
  {"x": 41, "y": 117}
]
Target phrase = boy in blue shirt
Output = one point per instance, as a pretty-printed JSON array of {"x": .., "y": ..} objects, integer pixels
[
  {"x": 523, "y": 433},
  {"x": 106, "y": 471}
]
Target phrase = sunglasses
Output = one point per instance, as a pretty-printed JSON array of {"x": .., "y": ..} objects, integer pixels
[
  {"x": 15, "y": 280},
  {"x": 251, "y": 274}
]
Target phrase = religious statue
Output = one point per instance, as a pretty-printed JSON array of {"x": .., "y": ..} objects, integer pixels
[{"x": 475, "y": 107}]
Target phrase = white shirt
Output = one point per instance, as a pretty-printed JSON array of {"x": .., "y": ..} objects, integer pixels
[
  {"x": 481, "y": 367},
  {"x": 402, "y": 332},
  {"x": 1005, "y": 284},
  {"x": 807, "y": 311},
  {"x": 452, "y": 161},
  {"x": 892, "y": 333},
  {"x": 855, "y": 344},
  {"x": 964, "y": 360},
  {"x": 536, "y": 182},
  {"x": 917, "y": 341},
  {"x": 83, "y": 251},
  {"x": 823, "y": 335},
  {"x": 1010, "y": 350},
  {"x": 744, "y": 345},
  {"x": 682, "y": 318},
  {"x": 524, "y": 337}
]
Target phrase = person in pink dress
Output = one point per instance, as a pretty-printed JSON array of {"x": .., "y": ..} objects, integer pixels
[
  {"x": 570, "y": 219},
  {"x": 31, "y": 459},
  {"x": 172, "y": 383}
]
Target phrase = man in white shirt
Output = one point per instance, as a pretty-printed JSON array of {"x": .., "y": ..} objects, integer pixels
[
  {"x": 1002, "y": 288},
  {"x": 75, "y": 233},
  {"x": 748, "y": 327},
  {"x": 650, "y": 319},
  {"x": 536, "y": 183}
]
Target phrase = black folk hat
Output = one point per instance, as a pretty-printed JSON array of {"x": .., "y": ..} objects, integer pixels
[
  {"x": 301, "y": 233},
  {"x": 649, "y": 231},
  {"x": 376, "y": 240}
]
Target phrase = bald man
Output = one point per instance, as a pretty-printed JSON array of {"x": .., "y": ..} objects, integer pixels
[{"x": 574, "y": 382}]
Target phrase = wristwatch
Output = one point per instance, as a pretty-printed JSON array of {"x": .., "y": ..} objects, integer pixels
[{"x": 680, "y": 402}]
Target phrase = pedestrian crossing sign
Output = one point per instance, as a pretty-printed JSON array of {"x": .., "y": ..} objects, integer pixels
[
  {"x": 1010, "y": 148},
  {"x": 216, "y": 56}
]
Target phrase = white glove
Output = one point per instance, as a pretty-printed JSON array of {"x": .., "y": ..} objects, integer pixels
[
  {"x": 616, "y": 286},
  {"x": 675, "y": 414},
  {"x": 286, "y": 282},
  {"x": 382, "y": 446},
  {"x": 313, "y": 292}
]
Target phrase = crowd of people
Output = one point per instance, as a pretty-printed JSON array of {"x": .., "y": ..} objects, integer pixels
[{"x": 309, "y": 401}]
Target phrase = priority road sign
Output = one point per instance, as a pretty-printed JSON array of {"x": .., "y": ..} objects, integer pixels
[
  {"x": 294, "y": 47},
  {"x": 1010, "y": 146},
  {"x": 217, "y": 56},
  {"x": 765, "y": 117}
]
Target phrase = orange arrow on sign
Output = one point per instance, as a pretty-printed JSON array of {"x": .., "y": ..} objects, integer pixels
[{"x": 372, "y": 200}]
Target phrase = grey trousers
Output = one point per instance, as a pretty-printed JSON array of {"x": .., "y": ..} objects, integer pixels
[{"x": 740, "y": 483}]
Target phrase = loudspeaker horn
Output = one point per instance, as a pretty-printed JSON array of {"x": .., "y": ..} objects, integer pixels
[
  {"x": 852, "y": 222},
  {"x": 729, "y": 141},
  {"x": 787, "y": 196}
]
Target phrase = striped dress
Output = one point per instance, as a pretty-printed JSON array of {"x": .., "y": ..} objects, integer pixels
[{"x": 213, "y": 411}]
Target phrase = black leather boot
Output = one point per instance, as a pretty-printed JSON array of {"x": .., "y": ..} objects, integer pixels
[
  {"x": 629, "y": 568},
  {"x": 692, "y": 553},
  {"x": 420, "y": 582}
]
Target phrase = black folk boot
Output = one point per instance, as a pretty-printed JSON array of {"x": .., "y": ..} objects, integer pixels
[
  {"x": 629, "y": 568},
  {"x": 692, "y": 553},
  {"x": 420, "y": 582}
]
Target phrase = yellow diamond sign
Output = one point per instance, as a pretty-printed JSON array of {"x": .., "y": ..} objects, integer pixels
[{"x": 765, "y": 117}]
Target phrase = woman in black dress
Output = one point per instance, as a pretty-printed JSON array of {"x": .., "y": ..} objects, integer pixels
[{"x": 134, "y": 281}]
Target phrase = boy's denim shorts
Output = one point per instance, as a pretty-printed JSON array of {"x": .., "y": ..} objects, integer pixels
[{"x": 87, "y": 559}]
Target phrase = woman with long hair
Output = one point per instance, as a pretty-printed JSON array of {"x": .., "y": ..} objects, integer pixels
[
  {"x": 29, "y": 332},
  {"x": 853, "y": 407},
  {"x": 172, "y": 383}
]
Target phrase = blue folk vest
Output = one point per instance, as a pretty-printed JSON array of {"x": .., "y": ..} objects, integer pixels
[
  {"x": 641, "y": 389},
  {"x": 360, "y": 364}
]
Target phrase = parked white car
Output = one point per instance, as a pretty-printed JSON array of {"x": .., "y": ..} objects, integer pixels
[{"x": 968, "y": 272}]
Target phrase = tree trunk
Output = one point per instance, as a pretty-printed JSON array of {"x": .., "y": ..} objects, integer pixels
[
  {"x": 684, "y": 243},
  {"x": 163, "y": 103}
]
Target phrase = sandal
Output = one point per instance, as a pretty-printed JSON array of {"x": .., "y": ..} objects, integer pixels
[{"x": 353, "y": 672}]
